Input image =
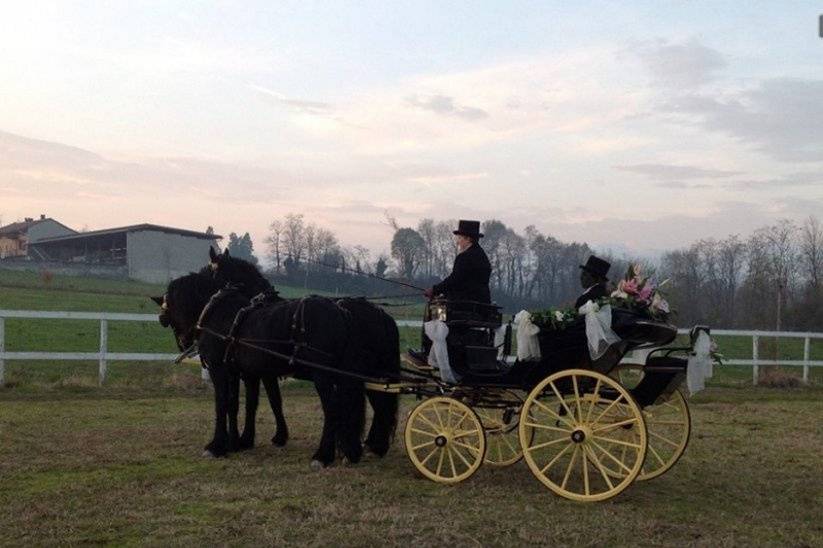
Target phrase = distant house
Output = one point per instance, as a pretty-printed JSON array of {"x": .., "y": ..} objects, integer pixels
[
  {"x": 151, "y": 253},
  {"x": 16, "y": 237}
]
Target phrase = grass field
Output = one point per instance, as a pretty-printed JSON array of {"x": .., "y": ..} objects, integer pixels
[{"x": 121, "y": 464}]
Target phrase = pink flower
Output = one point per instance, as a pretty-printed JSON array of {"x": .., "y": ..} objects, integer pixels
[
  {"x": 628, "y": 286},
  {"x": 645, "y": 292}
]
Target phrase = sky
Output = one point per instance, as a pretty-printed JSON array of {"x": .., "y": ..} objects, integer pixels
[{"x": 634, "y": 126}]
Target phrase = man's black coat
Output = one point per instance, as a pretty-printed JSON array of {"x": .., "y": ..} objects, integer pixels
[
  {"x": 592, "y": 294},
  {"x": 469, "y": 280}
]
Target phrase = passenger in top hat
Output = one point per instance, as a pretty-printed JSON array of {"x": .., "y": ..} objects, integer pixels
[
  {"x": 469, "y": 279},
  {"x": 593, "y": 278}
]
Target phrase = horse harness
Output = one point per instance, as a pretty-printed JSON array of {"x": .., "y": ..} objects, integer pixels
[{"x": 298, "y": 327}]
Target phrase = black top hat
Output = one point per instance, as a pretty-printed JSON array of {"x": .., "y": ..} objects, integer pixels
[
  {"x": 597, "y": 266},
  {"x": 468, "y": 228}
]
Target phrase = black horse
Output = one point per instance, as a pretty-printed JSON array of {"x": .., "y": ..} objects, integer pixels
[
  {"x": 380, "y": 353},
  {"x": 313, "y": 329},
  {"x": 201, "y": 287}
]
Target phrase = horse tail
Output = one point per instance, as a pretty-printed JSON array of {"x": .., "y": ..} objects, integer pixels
[{"x": 385, "y": 405}]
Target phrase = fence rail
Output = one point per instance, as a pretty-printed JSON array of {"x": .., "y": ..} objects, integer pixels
[{"x": 103, "y": 356}]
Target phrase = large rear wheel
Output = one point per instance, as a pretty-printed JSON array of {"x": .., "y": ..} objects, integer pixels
[
  {"x": 569, "y": 431},
  {"x": 668, "y": 423}
]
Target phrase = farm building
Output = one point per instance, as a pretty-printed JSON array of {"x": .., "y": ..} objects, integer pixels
[
  {"x": 16, "y": 237},
  {"x": 145, "y": 252}
]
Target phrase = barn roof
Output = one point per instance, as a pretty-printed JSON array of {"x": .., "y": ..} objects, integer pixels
[
  {"x": 23, "y": 226},
  {"x": 131, "y": 228}
]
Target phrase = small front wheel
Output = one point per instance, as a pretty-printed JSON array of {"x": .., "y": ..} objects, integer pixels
[{"x": 445, "y": 440}]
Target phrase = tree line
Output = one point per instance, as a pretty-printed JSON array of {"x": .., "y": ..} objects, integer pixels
[{"x": 773, "y": 279}]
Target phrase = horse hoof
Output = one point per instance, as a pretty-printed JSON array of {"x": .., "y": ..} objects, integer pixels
[
  {"x": 316, "y": 466},
  {"x": 208, "y": 455},
  {"x": 345, "y": 462}
]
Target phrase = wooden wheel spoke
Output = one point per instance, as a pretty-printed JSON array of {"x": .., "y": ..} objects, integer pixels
[
  {"x": 657, "y": 455},
  {"x": 553, "y": 413},
  {"x": 547, "y": 444},
  {"x": 569, "y": 469},
  {"x": 459, "y": 454},
  {"x": 544, "y": 427},
  {"x": 577, "y": 398},
  {"x": 600, "y": 468},
  {"x": 562, "y": 399},
  {"x": 612, "y": 457},
  {"x": 466, "y": 446},
  {"x": 423, "y": 433},
  {"x": 557, "y": 457},
  {"x": 463, "y": 434},
  {"x": 440, "y": 461},
  {"x": 425, "y": 419},
  {"x": 595, "y": 397},
  {"x": 451, "y": 461},
  {"x": 585, "y": 462},
  {"x": 617, "y": 442},
  {"x": 422, "y": 445},
  {"x": 509, "y": 443},
  {"x": 437, "y": 414},
  {"x": 613, "y": 425},
  {"x": 612, "y": 404},
  {"x": 663, "y": 438},
  {"x": 430, "y": 455}
]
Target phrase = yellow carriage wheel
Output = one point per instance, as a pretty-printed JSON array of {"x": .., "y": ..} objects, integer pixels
[
  {"x": 668, "y": 423},
  {"x": 568, "y": 432},
  {"x": 502, "y": 437},
  {"x": 445, "y": 440}
]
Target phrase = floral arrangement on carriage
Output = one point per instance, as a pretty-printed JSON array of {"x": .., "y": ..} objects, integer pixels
[
  {"x": 639, "y": 294},
  {"x": 634, "y": 292}
]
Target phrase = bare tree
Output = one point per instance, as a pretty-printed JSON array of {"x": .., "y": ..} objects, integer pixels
[
  {"x": 294, "y": 239},
  {"x": 274, "y": 242},
  {"x": 811, "y": 251}
]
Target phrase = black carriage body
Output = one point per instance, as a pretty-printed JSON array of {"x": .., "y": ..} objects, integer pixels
[{"x": 474, "y": 356}]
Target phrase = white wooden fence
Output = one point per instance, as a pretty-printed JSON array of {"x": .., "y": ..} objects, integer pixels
[{"x": 103, "y": 356}]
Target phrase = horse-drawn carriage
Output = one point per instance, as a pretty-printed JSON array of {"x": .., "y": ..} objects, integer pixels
[{"x": 586, "y": 428}]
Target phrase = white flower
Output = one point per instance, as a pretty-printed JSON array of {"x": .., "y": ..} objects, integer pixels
[
  {"x": 617, "y": 294},
  {"x": 659, "y": 303},
  {"x": 558, "y": 315}
]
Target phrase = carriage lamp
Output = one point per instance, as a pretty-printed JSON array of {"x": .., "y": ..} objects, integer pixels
[{"x": 438, "y": 312}]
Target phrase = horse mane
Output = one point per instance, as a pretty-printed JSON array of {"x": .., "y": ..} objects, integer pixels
[
  {"x": 239, "y": 271},
  {"x": 187, "y": 295}
]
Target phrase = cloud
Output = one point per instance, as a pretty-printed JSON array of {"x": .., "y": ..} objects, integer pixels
[
  {"x": 687, "y": 64},
  {"x": 808, "y": 178},
  {"x": 671, "y": 172},
  {"x": 779, "y": 117},
  {"x": 448, "y": 177},
  {"x": 298, "y": 105},
  {"x": 442, "y": 104}
]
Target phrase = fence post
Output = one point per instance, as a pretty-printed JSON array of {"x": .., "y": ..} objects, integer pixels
[
  {"x": 806, "y": 355},
  {"x": 104, "y": 340},
  {"x": 2, "y": 349},
  {"x": 755, "y": 357}
]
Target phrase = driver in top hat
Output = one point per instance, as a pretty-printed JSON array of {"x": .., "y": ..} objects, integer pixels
[
  {"x": 593, "y": 279},
  {"x": 469, "y": 279}
]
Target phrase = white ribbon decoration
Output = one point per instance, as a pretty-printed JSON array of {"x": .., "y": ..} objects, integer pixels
[
  {"x": 437, "y": 331},
  {"x": 528, "y": 346},
  {"x": 598, "y": 328},
  {"x": 700, "y": 364},
  {"x": 499, "y": 340}
]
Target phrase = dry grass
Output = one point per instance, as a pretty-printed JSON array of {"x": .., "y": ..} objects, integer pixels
[{"x": 104, "y": 468}]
